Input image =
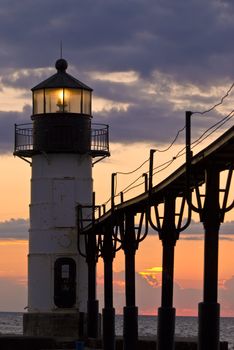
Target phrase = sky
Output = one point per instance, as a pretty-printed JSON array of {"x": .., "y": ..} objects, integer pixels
[{"x": 148, "y": 62}]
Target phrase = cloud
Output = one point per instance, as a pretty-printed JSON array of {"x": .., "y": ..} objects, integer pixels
[
  {"x": 136, "y": 34},
  {"x": 149, "y": 298},
  {"x": 148, "y": 295},
  {"x": 168, "y": 60},
  {"x": 7, "y": 122},
  {"x": 24, "y": 78},
  {"x": 18, "y": 229},
  {"x": 152, "y": 276},
  {"x": 185, "y": 299},
  {"x": 139, "y": 111},
  {"x": 226, "y": 296},
  {"x": 14, "y": 229},
  {"x": 118, "y": 288},
  {"x": 195, "y": 231}
]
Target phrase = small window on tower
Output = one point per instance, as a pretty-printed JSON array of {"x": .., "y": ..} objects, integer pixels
[{"x": 65, "y": 271}]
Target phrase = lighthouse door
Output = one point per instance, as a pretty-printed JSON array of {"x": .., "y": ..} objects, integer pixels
[{"x": 64, "y": 282}]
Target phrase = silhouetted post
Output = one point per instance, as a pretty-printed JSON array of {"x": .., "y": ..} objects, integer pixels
[
  {"x": 209, "y": 310},
  {"x": 108, "y": 311},
  {"x": 92, "y": 303},
  {"x": 130, "y": 331},
  {"x": 166, "y": 313}
]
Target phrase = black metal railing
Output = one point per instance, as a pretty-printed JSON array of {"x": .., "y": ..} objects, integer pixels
[
  {"x": 24, "y": 139},
  {"x": 100, "y": 137}
]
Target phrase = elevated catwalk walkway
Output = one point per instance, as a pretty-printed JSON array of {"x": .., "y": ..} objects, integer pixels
[{"x": 167, "y": 208}]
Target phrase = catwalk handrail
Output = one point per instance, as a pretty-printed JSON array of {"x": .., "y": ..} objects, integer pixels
[{"x": 221, "y": 149}]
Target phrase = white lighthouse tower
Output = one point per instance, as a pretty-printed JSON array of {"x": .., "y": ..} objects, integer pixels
[{"x": 61, "y": 143}]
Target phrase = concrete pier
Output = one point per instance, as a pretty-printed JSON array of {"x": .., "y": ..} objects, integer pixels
[
  {"x": 20, "y": 342},
  {"x": 150, "y": 343}
]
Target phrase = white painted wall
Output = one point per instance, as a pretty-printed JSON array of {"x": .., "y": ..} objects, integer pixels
[{"x": 59, "y": 182}]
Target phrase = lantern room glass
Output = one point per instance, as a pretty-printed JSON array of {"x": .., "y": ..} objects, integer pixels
[
  {"x": 38, "y": 102},
  {"x": 54, "y": 101},
  {"x": 62, "y": 100},
  {"x": 73, "y": 97},
  {"x": 86, "y": 108}
]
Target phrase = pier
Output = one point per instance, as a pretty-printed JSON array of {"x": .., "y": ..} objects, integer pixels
[
  {"x": 43, "y": 343},
  {"x": 39, "y": 343},
  {"x": 119, "y": 225}
]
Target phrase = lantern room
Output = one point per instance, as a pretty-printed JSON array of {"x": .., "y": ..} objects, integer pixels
[
  {"x": 61, "y": 93},
  {"x": 62, "y": 119}
]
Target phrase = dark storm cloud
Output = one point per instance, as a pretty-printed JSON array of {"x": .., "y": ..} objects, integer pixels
[
  {"x": 151, "y": 115},
  {"x": 146, "y": 119},
  {"x": 143, "y": 122},
  {"x": 137, "y": 124},
  {"x": 188, "y": 41}
]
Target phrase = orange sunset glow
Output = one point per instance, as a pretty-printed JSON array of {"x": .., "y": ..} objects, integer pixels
[
  {"x": 117, "y": 173},
  {"x": 188, "y": 252},
  {"x": 13, "y": 275},
  {"x": 188, "y": 276}
]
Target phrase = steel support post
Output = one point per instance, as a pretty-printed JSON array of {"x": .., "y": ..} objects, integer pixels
[
  {"x": 208, "y": 333},
  {"x": 130, "y": 331},
  {"x": 166, "y": 313},
  {"x": 92, "y": 303},
  {"x": 108, "y": 311}
]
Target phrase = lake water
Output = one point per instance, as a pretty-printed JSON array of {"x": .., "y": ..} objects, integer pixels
[
  {"x": 185, "y": 327},
  {"x": 12, "y": 322}
]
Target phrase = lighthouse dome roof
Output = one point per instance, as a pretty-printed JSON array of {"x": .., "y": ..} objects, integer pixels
[{"x": 61, "y": 79}]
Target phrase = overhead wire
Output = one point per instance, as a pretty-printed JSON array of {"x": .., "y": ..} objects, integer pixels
[
  {"x": 172, "y": 143},
  {"x": 217, "y": 104},
  {"x": 132, "y": 183},
  {"x": 133, "y": 171},
  {"x": 195, "y": 143},
  {"x": 177, "y": 135},
  {"x": 214, "y": 125},
  {"x": 166, "y": 164},
  {"x": 131, "y": 188},
  {"x": 126, "y": 189}
]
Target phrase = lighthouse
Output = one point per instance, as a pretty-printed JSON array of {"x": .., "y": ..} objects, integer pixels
[{"x": 60, "y": 144}]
